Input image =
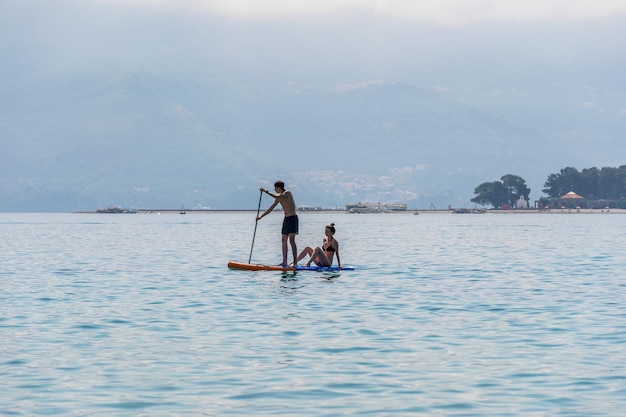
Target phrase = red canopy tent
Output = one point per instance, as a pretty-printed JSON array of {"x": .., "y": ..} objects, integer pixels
[{"x": 571, "y": 195}]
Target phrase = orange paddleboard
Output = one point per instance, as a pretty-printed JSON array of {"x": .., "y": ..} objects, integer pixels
[{"x": 260, "y": 267}]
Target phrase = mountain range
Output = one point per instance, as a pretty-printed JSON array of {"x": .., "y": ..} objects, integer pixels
[{"x": 77, "y": 138}]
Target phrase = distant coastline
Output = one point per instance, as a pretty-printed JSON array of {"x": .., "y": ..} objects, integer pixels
[{"x": 395, "y": 213}]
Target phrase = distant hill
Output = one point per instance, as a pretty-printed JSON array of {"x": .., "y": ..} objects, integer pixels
[{"x": 85, "y": 139}]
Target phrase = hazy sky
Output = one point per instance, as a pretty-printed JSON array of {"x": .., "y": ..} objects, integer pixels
[
  {"x": 456, "y": 45},
  {"x": 479, "y": 48},
  {"x": 471, "y": 44},
  {"x": 436, "y": 11},
  {"x": 521, "y": 58}
]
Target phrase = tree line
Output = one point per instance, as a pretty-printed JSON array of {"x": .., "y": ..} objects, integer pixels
[{"x": 591, "y": 183}]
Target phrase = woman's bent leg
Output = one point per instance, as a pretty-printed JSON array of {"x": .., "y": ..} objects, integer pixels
[
  {"x": 306, "y": 251},
  {"x": 319, "y": 257}
]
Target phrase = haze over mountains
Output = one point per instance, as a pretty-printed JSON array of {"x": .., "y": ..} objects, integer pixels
[{"x": 409, "y": 122}]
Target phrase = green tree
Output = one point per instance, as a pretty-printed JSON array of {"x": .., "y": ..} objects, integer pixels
[
  {"x": 589, "y": 183},
  {"x": 592, "y": 183},
  {"x": 609, "y": 184},
  {"x": 562, "y": 183},
  {"x": 494, "y": 193},
  {"x": 516, "y": 187}
]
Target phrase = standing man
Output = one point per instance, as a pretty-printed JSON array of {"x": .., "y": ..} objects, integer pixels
[{"x": 290, "y": 223}]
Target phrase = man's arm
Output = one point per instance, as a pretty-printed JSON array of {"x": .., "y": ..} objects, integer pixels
[
  {"x": 269, "y": 210},
  {"x": 270, "y": 193}
]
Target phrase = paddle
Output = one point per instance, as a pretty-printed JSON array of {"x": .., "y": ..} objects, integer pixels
[{"x": 255, "y": 223}]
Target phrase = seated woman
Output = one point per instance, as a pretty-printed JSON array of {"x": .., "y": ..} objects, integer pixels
[{"x": 323, "y": 256}]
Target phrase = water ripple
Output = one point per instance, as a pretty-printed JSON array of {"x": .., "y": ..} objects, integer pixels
[{"x": 451, "y": 315}]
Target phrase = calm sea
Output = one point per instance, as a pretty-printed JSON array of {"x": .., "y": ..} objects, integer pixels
[{"x": 445, "y": 315}]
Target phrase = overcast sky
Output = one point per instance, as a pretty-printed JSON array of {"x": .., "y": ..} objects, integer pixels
[
  {"x": 450, "y": 12},
  {"x": 536, "y": 62},
  {"x": 494, "y": 43}
]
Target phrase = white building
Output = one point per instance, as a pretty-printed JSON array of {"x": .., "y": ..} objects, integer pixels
[{"x": 521, "y": 203}]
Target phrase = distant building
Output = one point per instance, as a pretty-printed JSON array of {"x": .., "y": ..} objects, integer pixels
[
  {"x": 115, "y": 210},
  {"x": 374, "y": 208},
  {"x": 572, "y": 200},
  {"x": 521, "y": 203},
  {"x": 396, "y": 207},
  {"x": 571, "y": 196}
]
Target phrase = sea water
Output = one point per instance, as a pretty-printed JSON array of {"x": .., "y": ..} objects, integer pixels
[{"x": 445, "y": 315}]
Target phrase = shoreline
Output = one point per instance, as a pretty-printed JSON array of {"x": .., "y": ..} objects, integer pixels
[{"x": 405, "y": 212}]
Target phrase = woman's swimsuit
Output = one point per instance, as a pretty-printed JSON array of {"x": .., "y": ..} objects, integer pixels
[{"x": 330, "y": 248}]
